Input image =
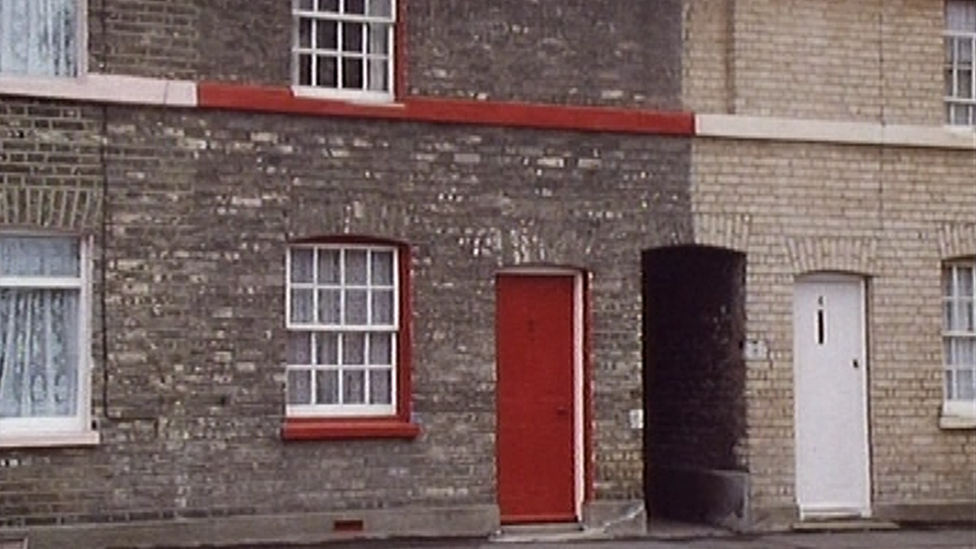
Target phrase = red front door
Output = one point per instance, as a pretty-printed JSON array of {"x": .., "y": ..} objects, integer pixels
[{"x": 535, "y": 350}]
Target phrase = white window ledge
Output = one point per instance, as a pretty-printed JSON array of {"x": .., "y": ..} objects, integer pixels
[
  {"x": 108, "y": 88},
  {"x": 958, "y": 415},
  {"x": 364, "y": 97},
  {"x": 49, "y": 440}
]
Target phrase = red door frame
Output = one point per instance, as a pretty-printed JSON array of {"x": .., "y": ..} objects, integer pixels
[{"x": 582, "y": 391}]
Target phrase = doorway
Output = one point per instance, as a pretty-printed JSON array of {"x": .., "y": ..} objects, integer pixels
[
  {"x": 830, "y": 404},
  {"x": 539, "y": 395}
]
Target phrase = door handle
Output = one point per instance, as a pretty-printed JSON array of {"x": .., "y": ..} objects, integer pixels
[
  {"x": 856, "y": 364},
  {"x": 562, "y": 411}
]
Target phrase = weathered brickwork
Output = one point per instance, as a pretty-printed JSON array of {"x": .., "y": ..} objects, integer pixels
[
  {"x": 200, "y": 208},
  {"x": 608, "y": 53},
  {"x": 159, "y": 38},
  {"x": 882, "y": 213},
  {"x": 551, "y": 51},
  {"x": 830, "y": 60}
]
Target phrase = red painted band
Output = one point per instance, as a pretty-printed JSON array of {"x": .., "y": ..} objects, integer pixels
[
  {"x": 301, "y": 429},
  {"x": 451, "y": 111}
]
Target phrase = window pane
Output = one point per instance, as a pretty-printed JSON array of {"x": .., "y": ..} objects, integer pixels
[
  {"x": 329, "y": 5},
  {"x": 327, "y": 387},
  {"x": 965, "y": 282},
  {"x": 382, "y": 268},
  {"x": 965, "y": 385},
  {"x": 381, "y": 349},
  {"x": 301, "y": 265},
  {"x": 40, "y": 256},
  {"x": 966, "y": 352},
  {"x": 326, "y": 71},
  {"x": 356, "y": 6},
  {"x": 38, "y": 38},
  {"x": 379, "y": 387},
  {"x": 352, "y": 37},
  {"x": 39, "y": 358},
  {"x": 380, "y": 8},
  {"x": 356, "y": 308},
  {"x": 327, "y": 349},
  {"x": 949, "y": 385},
  {"x": 304, "y": 70},
  {"x": 299, "y": 387},
  {"x": 299, "y": 348},
  {"x": 305, "y": 33},
  {"x": 354, "y": 349},
  {"x": 353, "y": 387},
  {"x": 352, "y": 73},
  {"x": 378, "y": 39},
  {"x": 301, "y": 306},
  {"x": 378, "y": 75},
  {"x": 961, "y": 15},
  {"x": 330, "y": 307},
  {"x": 326, "y": 35},
  {"x": 382, "y": 307},
  {"x": 356, "y": 267},
  {"x": 329, "y": 266},
  {"x": 306, "y": 5}
]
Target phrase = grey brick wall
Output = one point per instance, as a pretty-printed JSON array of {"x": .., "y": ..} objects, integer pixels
[
  {"x": 577, "y": 52},
  {"x": 552, "y": 51},
  {"x": 200, "y": 206}
]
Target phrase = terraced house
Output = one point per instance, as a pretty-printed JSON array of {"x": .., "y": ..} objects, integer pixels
[{"x": 276, "y": 270}]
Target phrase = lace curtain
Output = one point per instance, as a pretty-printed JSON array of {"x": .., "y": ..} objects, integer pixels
[
  {"x": 38, "y": 327},
  {"x": 38, "y": 37},
  {"x": 961, "y": 16}
]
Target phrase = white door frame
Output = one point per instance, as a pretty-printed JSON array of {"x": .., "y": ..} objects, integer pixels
[{"x": 861, "y": 508}]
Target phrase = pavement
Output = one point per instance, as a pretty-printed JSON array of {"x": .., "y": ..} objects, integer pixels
[{"x": 945, "y": 537}]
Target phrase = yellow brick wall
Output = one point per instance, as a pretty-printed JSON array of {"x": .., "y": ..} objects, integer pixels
[
  {"x": 891, "y": 214},
  {"x": 852, "y": 60}
]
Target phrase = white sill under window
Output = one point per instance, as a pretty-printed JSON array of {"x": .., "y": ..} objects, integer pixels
[
  {"x": 48, "y": 440},
  {"x": 366, "y": 97},
  {"x": 958, "y": 415}
]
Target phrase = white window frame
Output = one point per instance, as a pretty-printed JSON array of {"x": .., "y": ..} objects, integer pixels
[
  {"x": 953, "y": 407},
  {"x": 363, "y": 94},
  {"x": 68, "y": 431},
  {"x": 81, "y": 63},
  {"x": 954, "y": 40},
  {"x": 342, "y": 410}
]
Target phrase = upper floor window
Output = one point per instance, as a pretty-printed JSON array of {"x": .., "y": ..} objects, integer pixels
[
  {"x": 43, "y": 339},
  {"x": 960, "y": 45},
  {"x": 40, "y": 37},
  {"x": 959, "y": 336},
  {"x": 344, "y": 48}
]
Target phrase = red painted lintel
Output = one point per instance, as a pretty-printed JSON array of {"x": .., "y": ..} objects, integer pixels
[{"x": 451, "y": 111}]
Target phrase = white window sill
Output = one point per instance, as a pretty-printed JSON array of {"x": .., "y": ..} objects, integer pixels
[
  {"x": 958, "y": 415},
  {"x": 372, "y": 98},
  {"x": 49, "y": 440}
]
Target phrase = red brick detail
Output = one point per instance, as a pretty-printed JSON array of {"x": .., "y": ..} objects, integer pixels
[{"x": 451, "y": 111}]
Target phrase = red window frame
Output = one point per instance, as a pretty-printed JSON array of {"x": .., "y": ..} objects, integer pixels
[{"x": 398, "y": 425}]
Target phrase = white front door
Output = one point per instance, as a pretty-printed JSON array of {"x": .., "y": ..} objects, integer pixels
[{"x": 830, "y": 368}]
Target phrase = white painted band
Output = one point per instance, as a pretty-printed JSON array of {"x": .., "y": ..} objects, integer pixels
[
  {"x": 109, "y": 88},
  {"x": 827, "y": 131}
]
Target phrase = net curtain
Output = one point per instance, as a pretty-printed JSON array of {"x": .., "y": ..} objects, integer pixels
[
  {"x": 38, "y": 37},
  {"x": 38, "y": 330}
]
